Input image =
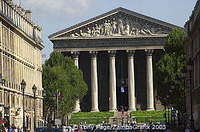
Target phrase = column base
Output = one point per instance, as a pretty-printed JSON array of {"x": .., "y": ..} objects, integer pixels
[
  {"x": 114, "y": 110},
  {"x": 94, "y": 110},
  {"x": 76, "y": 111},
  {"x": 150, "y": 109},
  {"x": 77, "y": 107},
  {"x": 130, "y": 110}
]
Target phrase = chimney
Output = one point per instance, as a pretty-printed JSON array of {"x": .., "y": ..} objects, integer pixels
[{"x": 28, "y": 13}]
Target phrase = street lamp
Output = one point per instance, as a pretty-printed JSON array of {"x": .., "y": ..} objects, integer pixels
[
  {"x": 34, "y": 88},
  {"x": 167, "y": 108},
  {"x": 23, "y": 86},
  {"x": 44, "y": 93},
  {"x": 190, "y": 68}
]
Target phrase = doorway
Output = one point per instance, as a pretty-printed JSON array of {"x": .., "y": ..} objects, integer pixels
[
  {"x": 122, "y": 77},
  {"x": 122, "y": 97}
]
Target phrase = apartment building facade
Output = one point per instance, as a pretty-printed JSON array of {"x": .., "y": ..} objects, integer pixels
[
  {"x": 193, "y": 61},
  {"x": 20, "y": 59}
]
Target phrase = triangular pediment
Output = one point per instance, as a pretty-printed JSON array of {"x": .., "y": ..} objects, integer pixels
[{"x": 116, "y": 23}]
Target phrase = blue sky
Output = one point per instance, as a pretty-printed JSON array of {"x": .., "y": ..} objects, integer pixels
[{"x": 55, "y": 15}]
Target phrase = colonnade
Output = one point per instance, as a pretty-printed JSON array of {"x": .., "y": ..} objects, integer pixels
[{"x": 113, "y": 83}]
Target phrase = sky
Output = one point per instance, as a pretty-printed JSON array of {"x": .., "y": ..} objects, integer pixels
[{"x": 55, "y": 15}]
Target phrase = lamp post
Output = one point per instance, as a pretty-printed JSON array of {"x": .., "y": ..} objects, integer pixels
[
  {"x": 44, "y": 113},
  {"x": 190, "y": 67},
  {"x": 34, "y": 88},
  {"x": 23, "y": 86}
]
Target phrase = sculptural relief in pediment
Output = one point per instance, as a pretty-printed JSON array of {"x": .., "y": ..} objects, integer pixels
[{"x": 119, "y": 25}]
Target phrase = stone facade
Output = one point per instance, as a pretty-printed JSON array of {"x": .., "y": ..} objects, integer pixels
[
  {"x": 192, "y": 45},
  {"x": 116, "y": 51},
  {"x": 20, "y": 58}
]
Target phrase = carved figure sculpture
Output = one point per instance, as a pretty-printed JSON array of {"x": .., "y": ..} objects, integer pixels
[
  {"x": 101, "y": 27},
  {"x": 134, "y": 31},
  {"x": 93, "y": 31},
  {"x": 109, "y": 28},
  {"x": 114, "y": 26},
  {"x": 86, "y": 34},
  {"x": 146, "y": 29},
  {"x": 75, "y": 35},
  {"x": 106, "y": 28},
  {"x": 127, "y": 29},
  {"x": 120, "y": 27},
  {"x": 89, "y": 31},
  {"x": 97, "y": 30},
  {"x": 82, "y": 34}
]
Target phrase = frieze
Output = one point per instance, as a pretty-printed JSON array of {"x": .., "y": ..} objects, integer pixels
[{"x": 117, "y": 25}]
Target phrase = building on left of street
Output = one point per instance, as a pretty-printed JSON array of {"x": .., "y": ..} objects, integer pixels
[{"x": 21, "y": 100}]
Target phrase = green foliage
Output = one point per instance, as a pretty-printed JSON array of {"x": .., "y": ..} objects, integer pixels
[
  {"x": 168, "y": 71},
  {"x": 148, "y": 113},
  {"x": 90, "y": 117},
  {"x": 61, "y": 77},
  {"x": 148, "y": 116},
  {"x": 99, "y": 117}
]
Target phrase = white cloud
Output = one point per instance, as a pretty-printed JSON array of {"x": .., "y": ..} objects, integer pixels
[{"x": 56, "y": 6}]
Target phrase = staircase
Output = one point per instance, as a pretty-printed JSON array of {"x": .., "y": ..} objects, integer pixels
[{"x": 119, "y": 118}]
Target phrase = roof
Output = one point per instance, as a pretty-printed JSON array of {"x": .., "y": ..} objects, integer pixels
[
  {"x": 117, "y": 10},
  {"x": 193, "y": 20}
]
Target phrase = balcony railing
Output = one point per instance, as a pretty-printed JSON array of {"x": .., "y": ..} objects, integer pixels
[{"x": 20, "y": 20}]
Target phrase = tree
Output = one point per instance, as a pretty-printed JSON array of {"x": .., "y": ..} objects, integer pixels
[
  {"x": 62, "y": 78},
  {"x": 168, "y": 73}
]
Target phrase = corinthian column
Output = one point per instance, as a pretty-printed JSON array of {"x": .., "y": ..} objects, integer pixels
[
  {"x": 94, "y": 82},
  {"x": 149, "y": 70},
  {"x": 112, "y": 82},
  {"x": 131, "y": 82},
  {"x": 75, "y": 56}
]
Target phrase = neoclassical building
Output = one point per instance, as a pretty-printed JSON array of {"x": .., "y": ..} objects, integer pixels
[
  {"x": 192, "y": 45},
  {"x": 116, "y": 52},
  {"x": 20, "y": 59}
]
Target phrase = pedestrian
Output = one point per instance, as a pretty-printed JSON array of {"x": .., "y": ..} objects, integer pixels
[
  {"x": 20, "y": 130},
  {"x": 6, "y": 129},
  {"x": 2, "y": 128},
  {"x": 10, "y": 129},
  {"x": 122, "y": 110},
  {"x": 15, "y": 129}
]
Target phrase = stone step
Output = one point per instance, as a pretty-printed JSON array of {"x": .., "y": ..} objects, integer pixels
[{"x": 119, "y": 118}]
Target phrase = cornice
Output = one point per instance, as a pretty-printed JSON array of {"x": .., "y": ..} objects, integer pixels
[
  {"x": 109, "y": 48},
  {"x": 20, "y": 31},
  {"x": 110, "y": 37}
]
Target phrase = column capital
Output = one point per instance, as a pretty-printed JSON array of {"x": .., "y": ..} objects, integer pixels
[
  {"x": 75, "y": 54},
  {"x": 130, "y": 52},
  {"x": 93, "y": 53},
  {"x": 149, "y": 52},
  {"x": 112, "y": 52}
]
